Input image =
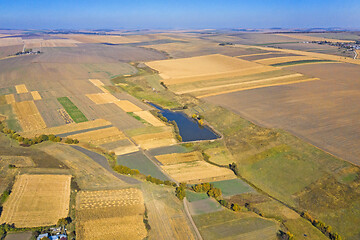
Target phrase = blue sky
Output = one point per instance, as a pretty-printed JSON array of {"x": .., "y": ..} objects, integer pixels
[{"x": 91, "y": 14}]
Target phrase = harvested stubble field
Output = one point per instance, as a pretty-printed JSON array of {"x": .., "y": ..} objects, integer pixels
[
  {"x": 37, "y": 200},
  {"x": 197, "y": 172},
  {"x": 100, "y": 38},
  {"x": 103, "y": 98},
  {"x": 154, "y": 140},
  {"x": 28, "y": 116},
  {"x": 21, "y": 88},
  {"x": 100, "y": 136},
  {"x": 121, "y": 147},
  {"x": 36, "y": 95},
  {"x": 10, "y": 98},
  {"x": 68, "y": 128},
  {"x": 313, "y": 38},
  {"x": 176, "y": 71},
  {"x": 112, "y": 214},
  {"x": 148, "y": 117},
  {"x": 277, "y": 60},
  {"x": 174, "y": 158}
]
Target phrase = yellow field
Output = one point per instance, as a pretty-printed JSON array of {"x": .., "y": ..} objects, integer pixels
[
  {"x": 197, "y": 172},
  {"x": 10, "y": 98},
  {"x": 125, "y": 149},
  {"x": 153, "y": 140},
  {"x": 100, "y": 136},
  {"x": 21, "y": 88},
  {"x": 67, "y": 128},
  {"x": 36, "y": 95},
  {"x": 275, "y": 60},
  {"x": 147, "y": 116},
  {"x": 175, "y": 71},
  {"x": 127, "y": 106},
  {"x": 10, "y": 41},
  {"x": 37, "y": 200},
  {"x": 112, "y": 214},
  {"x": 28, "y": 115},
  {"x": 99, "y": 84},
  {"x": 102, "y": 98},
  {"x": 39, "y": 43},
  {"x": 311, "y": 38},
  {"x": 174, "y": 158}
]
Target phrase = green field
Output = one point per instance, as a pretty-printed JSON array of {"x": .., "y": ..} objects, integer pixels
[
  {"x": 140, "y": 162},
  {"x": 203, "y": 206},
  {"x": 72, "y": 110},
  {"x": 229, "y": 225},
  {"x": 232, "y": 187},
  {"x": 193, "y": 196},
  {"x": 11, "y": 120},
  {"x": 300, "y": 62}
]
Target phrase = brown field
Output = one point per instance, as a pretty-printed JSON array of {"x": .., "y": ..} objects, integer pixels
[
  {"x": 10, "y": 41},
  {"x": 99, "y": 84},
  {"x": 10, "y": 98},
  {"x": 125, "y": 149},
  {"x": 112, "y": 214},
  {"x": 28, "y": 116},
  {"x": 175, "y": 158},
  {"x": 312, "y": 38},
  {"x": 326, "y": 118},
  {"x": 65, "y": 116},
  {"x": 21, "y": 88},
  {"x": 100, "y": 136},
  {"x": 197, "y": 172},
  {"x": 36, "y": 95},
  {"x": 192, "y": 69},
  {"x": 18, "y": 161},
  {"x": 153, "y": 140},
  {"x": 39, "y": 43},
  {"x": 147, "y": 116},
  {"x": 275, "y": 60},
  {"x": 100, "y": 39},
  {"x": 67, "y": 128},
  {"x": 37, "y": 200}
]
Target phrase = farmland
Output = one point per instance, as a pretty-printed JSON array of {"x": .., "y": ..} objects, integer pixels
[
  {"x": 28, "y": 115},
  {"x": 37, "y": 200},
  {"x": 72, "y": 110},
  {"x": 110, "y": 214}
]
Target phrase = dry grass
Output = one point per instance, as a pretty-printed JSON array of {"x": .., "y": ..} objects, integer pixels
[
  {"x": 37, "y": 200},
  {"x": 127, "y": 106},
  {"x": 112, "y": 214},
  {"x": 175, "y": 158},
  {"x": 28, "y": 116},
  {"x": 100, "y": 136},
  {"x": 147, "y": 116},
  {"x": 102, "y": 98},
  {"x": 100, "y": 39},
  {"x": 18, "y": 161},
  {"x": 125, "y": 149},
  {"x": 153, "y": 140},
  {"x": 197, "y": 172},
  {"x": 175, "y": 71},
  {"x": 275, "y": 60},
  {"x": 35, "y": 95},
  {"x": 21, "y": 88},
  {"x": 10, "y": 41},
  {"x": 68, "y": 128},
  {"x": 99, "y": 84},
  {"x": 10, "y": 98},
  {"x": 311, "y": 38}
]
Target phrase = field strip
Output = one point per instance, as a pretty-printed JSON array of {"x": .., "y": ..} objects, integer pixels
[
  {"x": 275, "y": 60},
  {"x": 103, "y": 98},
  {"x": 312, "y": 38},
  {"x": 99, "y": 84},
  {"x": 241, "y": 83},
  {"x": 255, "y": 54},
  {"x": 147, "y": 116},
  {"x": 83, "y": 131},
  {"x": 10, "y": 98},
  {"x": 72, "y": 110},
  {"x": 35, "y": 95},
  {"x": 127, "y": 106},
  {"x": 100, "y": 136},
  {"x": 255, "y": 87},
  {"x": 28, "y": 115},
  {"x": 21, "y": 88},
  {"x": 310, "y": 54},
  {"x": 68, "y": 128}
]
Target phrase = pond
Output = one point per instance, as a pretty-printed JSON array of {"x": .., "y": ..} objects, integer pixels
[{"x": 189, "y": 129}]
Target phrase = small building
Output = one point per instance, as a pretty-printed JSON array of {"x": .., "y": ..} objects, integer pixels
[{"x": 42, "y": 236}]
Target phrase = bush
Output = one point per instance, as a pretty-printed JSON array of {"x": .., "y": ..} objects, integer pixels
[{"x": 180, "y": 191}]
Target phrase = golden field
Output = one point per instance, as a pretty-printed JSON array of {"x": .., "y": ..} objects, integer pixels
[
  {"x": 37, "y": 200},
  {"x": 154, "y": 140},
  {"x": 35, "y": 95},
  {"x": 21, "y": 88},
  {"x": 100, "y": 136},
  {"x": 174, "y": 158},
  {"x": 28, "y": 116},
  {"x": 147, "y": 116}
]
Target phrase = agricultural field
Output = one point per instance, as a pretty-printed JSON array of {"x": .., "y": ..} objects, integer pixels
[
  {"x": 100, "y": 136},
  {"x": 113, "y": 214},
  {"x": 28, "y": 115},
  {"x": 174, "y": 158},
  {"x": 163, "y": 136},
  {"x": 72, "y": 110},
  {"x": 148, "y": 117},
  {"x": 37, "y": 200}
]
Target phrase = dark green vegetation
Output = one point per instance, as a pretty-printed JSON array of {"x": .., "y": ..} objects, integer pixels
[
  {"x": 72, "y": 110},
  {"x": 301, "y": 62},
  {"x": 278, "y": 164}
]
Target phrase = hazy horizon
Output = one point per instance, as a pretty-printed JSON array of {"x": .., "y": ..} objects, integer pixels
[{"x": 186, "y": 14}]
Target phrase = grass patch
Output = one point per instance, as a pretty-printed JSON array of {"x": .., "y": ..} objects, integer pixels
[
  {"x": 11, "y": 120},
  {"x": 232, "y": 187},
  {"x": 140, "y": 162},
  {"x": 72, "y": 110},
  {"x": 193, "y": 196},
  {"x": 300, "y": 62}
]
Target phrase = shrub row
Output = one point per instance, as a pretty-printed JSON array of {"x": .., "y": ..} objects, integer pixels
[{"x": 325, "y": 229}]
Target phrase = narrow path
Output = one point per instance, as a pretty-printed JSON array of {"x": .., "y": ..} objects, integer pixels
[
  {"x": 356, "y": 54},
  {"x": 186, "y": 207}
]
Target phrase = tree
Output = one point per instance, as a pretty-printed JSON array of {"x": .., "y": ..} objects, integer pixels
[
  {"x": 235, "y": 207},
  {"x": 180, "y": 191}
]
